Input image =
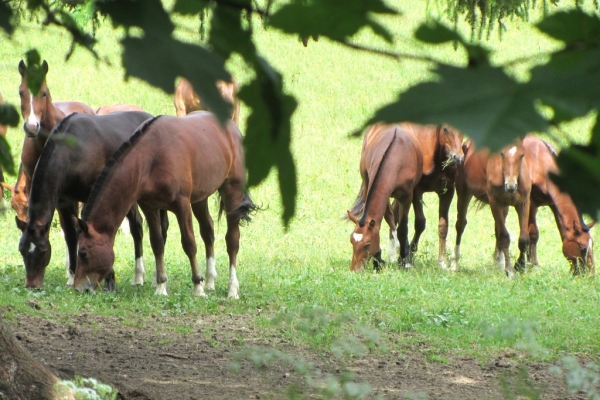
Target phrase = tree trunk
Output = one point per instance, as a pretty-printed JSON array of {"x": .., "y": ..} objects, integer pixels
[{"x": 21, "y": 377}]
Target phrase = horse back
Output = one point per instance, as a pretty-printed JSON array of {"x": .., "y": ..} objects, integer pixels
[
  {"x": 70, "y": 107},
  {"x": 474, "y": 171}
]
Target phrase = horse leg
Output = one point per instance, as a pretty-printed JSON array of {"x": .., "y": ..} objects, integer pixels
[
  {"x": 405, "y": 251},
  {"x": 66, "y": 211},
  {"x": 502, "y": 238},
  {"x": 534, "y": 234},
  {"x": 390, "y": 219},
  {"x": 207, "y": 233},
  {"x": 158, "y": 247},
  {"x": 445, "y": 199},
  {"x": 137, "y": 233},
  {"x": 188, "y": 243},
  {"x": 464, "y": 197},
  {"x": 420, "y": 221},
  {"x": 523, "y": 213}
]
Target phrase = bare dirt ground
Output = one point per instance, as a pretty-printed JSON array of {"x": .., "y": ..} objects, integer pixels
[{"x": 151, "y": 361}]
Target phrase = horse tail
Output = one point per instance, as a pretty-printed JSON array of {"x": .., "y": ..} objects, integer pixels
[
  {"x": 359, "y": 204},
  {"x": 243, "y": 211}
]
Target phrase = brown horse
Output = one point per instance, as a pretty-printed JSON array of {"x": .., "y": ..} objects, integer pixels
[
  {"x": 500, "y": 180},
  {"x": 391, "y": 165},
  {"x": 442, "y": 151},
  {"x": 103, "y": 110},
  {"x": 74, "y": 156},
  {"x": 187, "y": 100},
  {"x": 40, "y": 115},
  {"x": 168, "y": 164},
  {"x": 577, "y": 245},
  {"x": 18, "y": 200}
]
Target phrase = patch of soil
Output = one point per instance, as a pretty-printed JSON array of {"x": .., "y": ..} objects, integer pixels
[{"x": 149, "y": 359}]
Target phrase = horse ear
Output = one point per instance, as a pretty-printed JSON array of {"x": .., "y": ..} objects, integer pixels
[
  {"x": 81, "y": 224},
  {"x": 372, "y": 224},
  {"x": 20, "y": 224},
  {"x": 352, "y": 217},
  {"x": 7, "y": 187},
  {"x": 45, "y": 67},
  {"x": 22, "y": 68}
]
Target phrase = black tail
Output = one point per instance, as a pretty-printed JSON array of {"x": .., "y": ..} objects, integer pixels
[
  {"x": 358, "y": 208},
  {"x": 243, "y": 211}
]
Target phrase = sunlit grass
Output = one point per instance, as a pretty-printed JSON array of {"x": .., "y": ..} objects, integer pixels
[{"x": 308, "y": 264}]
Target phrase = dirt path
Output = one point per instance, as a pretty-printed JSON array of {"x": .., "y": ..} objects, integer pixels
[{"x": 150, "y": 361}]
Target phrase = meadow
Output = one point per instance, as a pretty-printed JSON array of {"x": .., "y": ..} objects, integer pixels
[{"x": 476, "y": 311}]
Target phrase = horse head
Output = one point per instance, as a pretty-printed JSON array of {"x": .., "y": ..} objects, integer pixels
[
  {"x": 95, "y": 257},
  {"x": 365, "y": 242},
  {"x": 35, "y": 249},
  {"x": 452, "y": 144},
  {"x": 578, "y": 248},
  {"x": 512, "y": 160},
  {"x": 33, "y": 108}
]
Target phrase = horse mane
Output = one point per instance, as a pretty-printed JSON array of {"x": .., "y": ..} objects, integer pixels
[
  {"x": 118, "y": 155},
  {"x": 373, "y": 184},
  {"x": 359, "y": 204},
  {"x": 40, "y": 169},
  {"x": 550, "y": 148},
  {"x": 61, "y": 123}
]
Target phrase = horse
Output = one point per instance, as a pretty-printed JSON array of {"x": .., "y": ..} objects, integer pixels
[
  {"x": 103, "y": 110},
  {"x": 40, "y": 115},
  {"x": 442, "y": 151},
  {"x": 18, "y": 200},
  {"x": 186, "y": 100},
  {"x": 169, "y": 164},
  {"x": 501, "y": 180},
  {"x": 74, "y": 155},
  {"x": 577, "y": 244},
  {"x": 391, "y": 165}
]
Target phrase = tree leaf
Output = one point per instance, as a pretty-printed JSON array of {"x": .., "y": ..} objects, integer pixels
[
  {"x": 6, "y": 14},
  {"x": 35, "y": 74},
  {"x": 190, "y": 7},
  {"x": 227, "y": 34},
  {"x": 573, "y": 26},
  {"x": 160, "y": 63},
  {"x": 9, "y": 115},
  {"x": 149, "y": 15},
  {"x": 268, "y": 133},
  {"x": 483, "y": 102},
  {"x": 336, "y": 19},
  {"x": 6, "y": 160}
]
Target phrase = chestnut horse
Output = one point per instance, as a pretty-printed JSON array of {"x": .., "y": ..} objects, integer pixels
[
  {"x": 74, "y": 155},
  {"x": 187, "y": 100},
  {"x": 391, "y": 165},
  {"x": 500, "y": 180},
  {"x": 170, "y": 163},
  {"x": 103, "y": 110},
  {"x": 18, "y": 200},
  {"x": 577, "y": 244},
  {"x": 442, "y": 151}
]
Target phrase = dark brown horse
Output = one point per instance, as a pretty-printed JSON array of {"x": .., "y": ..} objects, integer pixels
[
  {"x": 168, "y": 164},
  {"x": 73, "y": 157},
  {"x": 391, "y": 165},
  {"x": 103, "y": 110},
  {"x": 187, "y": 100},
  {"x": 577, "y": 245},
  {"x": 500, "y": 180},
  {"x": 442, "y": 151}
]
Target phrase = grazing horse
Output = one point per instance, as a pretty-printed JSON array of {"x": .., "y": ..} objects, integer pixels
[
  {"x": 500, "y": 180},
  {"x": 187, "y": 100},
  {"x": 577, "y": 244},
  {"x": 18, "y": 200},
  {"x": 103, "y": 110},
  {"x": 391, "y": 165},
  {"x": 74, "y": 155},
  {"x": 168, "y": 164},
  {"x": 442, "y": 151}
]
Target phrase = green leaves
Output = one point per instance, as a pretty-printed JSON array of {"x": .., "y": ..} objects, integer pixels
[
  {"x": 6, "y": 14},
  {"x": 9, "y": 115},
  {"x": 6, "y": 160},
  {"x": 483, "y": 102},
  {"x": 335, "y": 19},
  {"x": 268, "y": 135},
  {"x": 571, "y": 27},
  {"x": 35, "y": 73}
]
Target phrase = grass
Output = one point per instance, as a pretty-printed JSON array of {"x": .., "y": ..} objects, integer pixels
[{"x": 307, "y": 266}]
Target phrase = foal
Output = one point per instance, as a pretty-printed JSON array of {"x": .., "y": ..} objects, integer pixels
[
  {"x": 170, "y": 163},
  {"x": 391, "y": 165},
  {"x": 577, "y": 244},
  {"x": 500, "y": 180},
  {"x": 187, "y": 100}
]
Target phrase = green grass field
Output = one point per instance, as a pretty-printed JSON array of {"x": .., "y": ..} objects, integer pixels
[{"x": 308, "y": 265}]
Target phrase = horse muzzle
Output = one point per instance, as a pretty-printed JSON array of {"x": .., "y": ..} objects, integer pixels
[
  {"x": 30, "y": 132},
  {"x": 510, "y": 188}
]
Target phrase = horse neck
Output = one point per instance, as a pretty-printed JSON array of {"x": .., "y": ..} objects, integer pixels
[
  {"x": 118, "y": 192},
  {"x": 52, "y": 115},
  {"x": 565, "y": 214}
]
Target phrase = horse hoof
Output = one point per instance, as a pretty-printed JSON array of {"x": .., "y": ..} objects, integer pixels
[
  {"x": 161, "y": 289},
  {"x": 199, "y": 290},
  {"x": 71, "y": 280}
]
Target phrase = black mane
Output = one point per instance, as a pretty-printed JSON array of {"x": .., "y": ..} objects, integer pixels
[{"x": 114, "y": 159}]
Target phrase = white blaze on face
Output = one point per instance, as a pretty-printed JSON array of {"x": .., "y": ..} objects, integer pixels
[
  {"x": 32, "y": 119},
  {"x": 357, "y": 237},
  {"x": 31, "y": 247},
  {"x": 512, "y": 151}
]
